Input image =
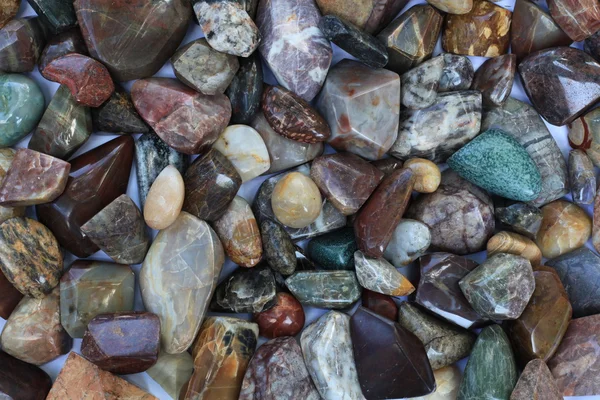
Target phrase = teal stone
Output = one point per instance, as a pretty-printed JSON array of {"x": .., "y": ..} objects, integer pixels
[
  {"x": 334, "y": 250},
  {"x": 491, "y": 372},
  {"x": 496, "y": 162},
  {"x": 325, "y": 289},
  {"x": 21, "y": 107}
]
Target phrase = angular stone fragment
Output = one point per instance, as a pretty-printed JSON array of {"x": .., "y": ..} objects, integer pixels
[
  {"x": 380, "y": 276},
  {"x": 578, "y": 18},
  {"x": 447, "y": 382},
  {"x": 245, "y": 90},
  {"x": 246, "y": 291},
  {"x": 8, "y": 11},
  {"x": 246, "y": 150},
  {"x": 62, "y": 44},
  {"x": 420, "y": 84},
  {"x": 536, "y": 382},
  {"x": 521, "y": 218},
  {"x": 172, "y": 372},
  {"x": 296, "y": 200},
  {"x": 278, "y": 247},
  {"x": 494, "y": 79},
  {"x": 21, "y": 43},
  {"x": 582, "y": 177},
  {"x": 513, "y": 243},
  {"x": 58, "y": 16},
  {"x": 165, "y": 199},
  {"x": 565, "y": 227},
  {"x": 22, "y": 107},
  {"x": 286, "y": 318},
  {"x": 9, "y": 297},
  {"x": 118, "y": 115},
  {"x": 584, "y": 134},
  {"x": 325, "y": 289},
  {"x": 334, "y": 250},
  {"x": 457, "y": 74},
  {"x": 380, "y": 304},
  {"x": 20, "y": 380},
  {"x": 369, "y": 17}
]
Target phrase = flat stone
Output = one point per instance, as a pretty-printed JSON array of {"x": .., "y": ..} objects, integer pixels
[
  {"x": 334, "y": 250},
  {"x": 165, "y": 199},
  {"x": 245, "y": 90},
  {"x": 456, "y": 117},
  {"x": 20, "y": 380},
  {"x": 279, "y": 251},
  {"x": 118, "y": 115},
  {"x": 64, "y": 127},
  {"x": 184, "y": 261},
  {"x": 286, "y": 318},
  {"x": 296, "y": 200},
  {"x": 410, "y": 39},
  {"x": 536, "y": 382},
  {"x": 6, "y": 157},
  {"x": 363, "y": 117},
  {"x": 62, "y": 44},
  {"x": 584, "y": 134},
  {"x": 80, "y": 378},
  {"x": 246, "y": 291},
  {"x": 379, "y": 343},
  {"x": 420, "y": 84},
  {"x": 8, "y": 10},
  {"x": 246, "y": 150},
  {"x": 325, "y": 289},
  {"x": 447, "y": 382},
  {"x": 513, "y": 243},
  {"x": 452, "y": 7},
  {"x": 544, "y": 75},
  {"x": 97, "y": 178},
  {"x": 578, "y": 18},
  {"x": 57, "y": 15},
  {"x": 522, "y": 218},
  {"x": 494, "y": 79},
  {"x": 295, "y": 50},
  {"x": 444, "y": 343},
  {"x": 277, "y": 372},
  {"x": 21, "y": 43},
  {"x": 22, "y": 107},
  {"x": 122, "y": 343},
  {"x": 457, "y": 74},
  {"x": 327, "y": 349},
  {"x": 172, "y": 372},
  {"x": 565, "y": 227},
  {"x": 427, "y": 174},
  {"x": 380, "y": 304},
  {"x": 523, "y": 123},
  {"x": 33, "y": 332},
  {"x": 380, "y": 276},
  {"x": 582, "y": 177},
  {"x": 112, "y": 33},
  {"x": 9, "y": 297},
  {"x": 491, "y": 372},
  {"x": 367, "y": 16}
]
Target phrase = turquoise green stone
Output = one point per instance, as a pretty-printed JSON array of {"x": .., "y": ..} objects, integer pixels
[
  {"x": 491, "y": 372},
  {"x": 496, "y": 162},
  {"x": 21, "y": 107},
  {"x": 334, "y": 250},
  {"x": 325, "y": 289}
]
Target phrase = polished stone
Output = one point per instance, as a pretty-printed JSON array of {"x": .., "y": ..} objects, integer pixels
[
  {"x": 452, "y": 6},
  {"x": 6, "y": 157},
  {"x": 447, "y": 381},
  {"x": 584, "y": 134},
  {"x": 368, "y": 16},
  {"x": 22, "y": 107},
  {"x": 172, "y": 372},
  {"x": 279, "y": 251},
  {"x": 118, "y": 115},
  {"x": 245, "y": 90},
  {"x": 494, "y": 79},
  {"x": 513, "y": 243},
  {"x": 380, "y": 276},
  {"x": 420, "y": 84},
  {"x": 334, "y": 250},
  {"x": 536, "y": 382},
  {"x": 387, "y": 165},
  {"x": 427, "y": 174},
  {"x": 62, "y": 44},
  {"x": 286, "y": 318},
  {"x": 296, "y": 200},
  {"x": 57, "y": 15},
  {"x": 9, "y": 297},
  {"x": 20, "y": 380},
  {"x": 596, "y": 223},
  {"x": 380, "y": 304},
  {"x": 246, "y": 290},
  {"x": 578, "y": 18},
  {"x": 522, "y": 218},
  {"x": 582, "y": 177},
  {"x": 246, "y": 150},
  {"x": 21, "y": 43},
  {"x": 325, "y": 289},
  {"x": 457, "y": 74},
  {"x": 8, "y": 10},
  {"x": 165, "y": 199},
  {"x": 565, "y": 227}
]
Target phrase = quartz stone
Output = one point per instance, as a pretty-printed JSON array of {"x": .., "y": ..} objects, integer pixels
[
  {"x": 180, "y": 272},
  {"x": 277, "y": 372},
  {"x": 21, "y": 43},
  {"x": 364, "y": 47},
  {"x": 457, "y": 74},
  {"x": 64, "y": 127},
  {"x": 410, "y": 39},
  {"x": 97, "y": 178},
  {"x": 345, "y": 179},
  {"x": 582, "y": 177},
  {"x": 327, "y": 349},
  {"x": 118, "y": 115},
  {"x": 494, "y": 79},
  {"x": 447, "y": 382},
  {"x": 172, "y": 372},
  {"x": 367, "y": 16},
  {"x": 22, "y": 107},
  {"x": 325, "y": 289},
  {"x": 57, "y": 15},
  {"x": 246, "y": 291},
  {"x": 427, "y": 175},
  {"x": 296, "y": 200},
  {"x": 562, "y": 83},
  {"x": 523, "y": 123},
  {"x": 584, "y": 134},
  {"x": 246, "y": 150},
  {"x": 211, "y": 183},
  {"x": 491, "y": 372},
  {"x": 361, "y": 106},
  {"x": 578, "y": 18},
  {"x": 444, "y": 343},
  {"x": 420, "y": 84},
  {"x": 62, "y": 44},
  {"x": 122, "y": 343},
  {"x": 456, "y": 117},
  {"x": 79, "y": 379},
  {"x": 152, "y": 156},
  {"x": 279, "y": 251},
  {"x": 380, "y": 276},
  {"x": 536, "y": 382},
  {"x": 286, "y": 318},
  {"x": 29, "y": 256},
  {"x": 33, "y": 332},
  {"x": 9, "y": 297},
  {"x": 20, "y": 380},
  {"x": 380, "y": 304},
  {"x": 484, "y": 31},
  {"x": 6, "y": 157},
  {"x": 532, "y": 29},
  {"x": 513, "y": 243},
  {"x": 565, "y": 227},
  {"x": 542, "y": 325},
  {"x": 452, "y": 6},
  {"x": 522, "y": 218},
  {"x": 295, "y": 50},
  {"x": 379, "y": 343},
  {"x": 165, "y": 199},
  {"x": 221, "y": 352},
  {"x": 245, "y": 90},
  {"x": 334, "y": 250},
  {"x": 458, "y": 207},
  {"x": 33, "y": 178},
  {"x": 112, "y": 33},
  {"x": 8, "y": 10}
]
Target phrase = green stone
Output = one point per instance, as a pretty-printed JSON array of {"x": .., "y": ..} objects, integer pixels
[
  {"x": 495, "y": 161},
  {"x": 325, "y": 289},
  {"x": 334, "y": 250},
  {"x": 58, "y": 15},
  {"x": 491, "y": 372},
  {"x": 21, "y": 107}
]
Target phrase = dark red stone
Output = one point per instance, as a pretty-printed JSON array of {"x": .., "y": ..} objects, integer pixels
[
  {"x": 380, "y": 303},
  {"x": 286, "y": 318},
  {"x": 97, "y": 178},
  {"x": 22, "y": 381},
  {"x": 9, "y": 297},
  {"x": 62, "y": 44}
]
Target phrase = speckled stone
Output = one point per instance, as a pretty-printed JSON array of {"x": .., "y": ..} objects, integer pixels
[
  {"x": 578, "y": 18},
  {"x": 582, "y": 177},
  {"x": 21, "y": 43},
  {"x": 245, "y": 90},
  {"x": 457, "y": 74},
  {"x": 246, "y": 290},
  {"x": 584, "y": 134},
  {"x": 565, "y": 227},
  {"x": 420, "y": 84},
  {"x": 118, "y": 115},
  {"x": 513, "y": 243},
  {"x": 536, "y": 382},
  {"x": 6, "y": 157},
  {"x": 334, "y": 250},
  {"x": 8, "y": 11},
  {"x": 278, "y": 247},
  {"x": 380, "y": 276},
  {"x": 325, "y": 289},
  {"x": 494, "y": 79},
  {"x": 9, "y": 297},
  {"x": 522, "y": 218},
  {"x": 246, "y": 150}
]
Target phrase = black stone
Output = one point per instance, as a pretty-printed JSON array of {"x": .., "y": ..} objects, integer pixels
[
  {"x": 278, "y": 248},
  {"x": 521, "y": 218},
  {"x": 118, "y": 115},
  {"x": 57, "y": 15},
  {"x": 247, "y": 290},
  {"x": 22, "y": 381},
  {"x": 245, "y": 90}
]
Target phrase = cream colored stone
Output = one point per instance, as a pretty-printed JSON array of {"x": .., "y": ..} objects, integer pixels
[
  {"x": 246, "y": 150},
  {"x": 565, "y": 227},
  {"x": 428, "y": 175},
  {"x": 165, "y": 199},
  {"x": 172, "y": 371},
  {"x": 447, "y": 380},
  {"x": 296, "y": 200},
  {"x": 513, "y": 243}
]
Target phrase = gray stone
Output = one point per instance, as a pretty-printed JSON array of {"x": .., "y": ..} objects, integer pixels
[
  {"x": 325, "y": 289},
  {"x": 458, "y": 73},
  {"x": 420, "y": 84}
]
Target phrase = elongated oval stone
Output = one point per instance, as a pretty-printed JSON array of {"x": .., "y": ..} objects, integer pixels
[
  {"x": 118, "y": 115},
  {"x": 420, "y": 84},
  {"x": 172, "y": 372},
  {"x": 380, "y": 276},
  {"x": 334, "y": 250},
  {"x": 536, "y": 382},
  {"x": 165, "y": 199},
  {"x": 457, "y": 74},
  {"x": 286, "y": 318},
  {"x": 325, "y": 289},
  {"x": 494, "y": 79},
  {"x": 62, "y": 44},
  {"x": 19, "y": 379},
  {"x": 578, "y": 18},
  {"x": 582, "y": 177},
  {"x": 247, "y": 290},
  {"x": 409, "y": 241},
  {"x": 21, "y": 43},
  {"x": 513, "y": 243},
  {"x": 246, "y": 150},
  {"x": 565, "y": 227},
  {"x": 180, "y": 272},
  {"x": 245, "y": 90}
]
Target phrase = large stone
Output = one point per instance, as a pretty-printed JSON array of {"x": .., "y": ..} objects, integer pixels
[
  {"x": 410, "y": 240},
  {"x": 57, "y": 15},
  {"x": 380, "y": 304},
  {"x": 457, "y": 74},
  {"x": 368, "y": 16},
  {"x": 536, "y": 382},
  {"x": 380, "y": 276},
  {"x": 62, "y": 44},
  {"x": 118, "y": 115},
  {"x": 172, "y": 372},
  {"x": 245, "y": 90},
  {"x": 522, "y": 218},
  {"x": 578, "y": 18},
  {"x": 20, "y": 380},
  {"x": 565, "y": 227},
  {"x": 246, "y": 291},
  {"x": 494, "y": 79},
  {"x": 334, "y": 250},
  {"x": 21, "y": 43},
  {"x": 420, "y": 84},
  {"x": 246, "y": 150},
  {"x": 286, "y": 318},
  {"x": 582, "y": 177},
  {"x": 325, "y": 289},
  {"x": 22, "y": 107}
]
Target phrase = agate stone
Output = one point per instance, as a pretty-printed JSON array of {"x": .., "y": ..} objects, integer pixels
[
  {"x": 513, "y": 243},
  {"x": 582, "y": 177},
  {"x": 334, "y": 250},
  {"x": 118, "y": 115},
  {"x": 494, "y": 79},
  {"x": 245, "y": 91},
  {"x": 380, "y": 304},
  {"x": 565, "y": 227},
  {"x": 172, "y": 372},
  {"x": 20, "y": 380},
  {"x": 296, "y": 200},
  {"x": 380, "y": 276},
  {"x": 246, "y": 291},
  {"x": 584, "y": 134},
  {"x": 457, "y": 74},
  {"x": 22, "y": 107},
  {"x": 325, "y": 289},
  {"x": 21, "y": 43},
  {"x": 536, "y": 382},
  {"x": 285, "y": 318}
]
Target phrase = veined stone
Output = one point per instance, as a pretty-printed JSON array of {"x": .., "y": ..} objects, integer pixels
[
  {"x": 22, "y": 107},
  {"x": 410, "y": 240},
  {"x": 8, "y": 11},
  {"x": 247, "y": 290},
  {"x": 57, "y": 16},
  {"x": 457, "y": 74},
  {"x": 21, "y": 43},
  {"x": 246, "y": 150},
  {"x": 334, "y": 250},
  {"x": 494, "y": 79},
  {"x": 578, "y": 18},
  {"x": 452, "y": 7},
  {"x": 565, "y": 227},
  {"x": 582, "y": 177},
  {"x": 245, "y": 90},
  {"x": 420, "y": 84},
  {"x": 584, "y": 134},
  {"x": 325, "y": 289},
  {"x": 380, "y": 276},
  {"x": 513, "y": 243},
  {"x": 62, "y": 44}
]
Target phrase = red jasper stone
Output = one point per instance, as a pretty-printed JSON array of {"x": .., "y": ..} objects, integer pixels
[
  {"x": 285, "y": 319},
  {"x": 380, "y": 304}
]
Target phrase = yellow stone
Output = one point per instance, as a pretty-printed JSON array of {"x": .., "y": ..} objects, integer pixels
[
  {"x": 296, "y": 200},
  {"x": 165, "y": 199},
  {"x": 427, "y": 174},
  {"x": 565, "y": 227},
  {"x": 513, "y": 243},
  {"x": 447, "y": 381}
]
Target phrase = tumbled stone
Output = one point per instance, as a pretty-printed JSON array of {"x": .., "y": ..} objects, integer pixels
[
  {"x": 420, "y": 84},
  {"x": 522, "y": 218},
  {"x": 165, "y": 199},
  {"x": 9, "y": 297},
  {"x": 410, "y": 39},
  {"x": 97, "y": 178},
  {"x": 410, "y": 240},
  {"x": 457, "y": 74},
  {"x": 582, "y": 177},
  {"x": 22, "y": 107},
  {"x": 118, "y": 115},
  {"x": 33, "y": 333},
  {"x": 513, "y": 243},
  {"x": 445, "y": 344},
  {"x": 58, "y": 16},
  {"x": 447, "y": 382},
  {"x": 122, "y": 343},
  {"x": 427, "y": 175},
  {"x": 180, "y": 272},
  {"x": 456, "y": 117},
  {"x": 452, "y": 6},
  {"x": 494, "y": 79},
  {"x": 245, "y": 90},
  {"x": 380, "y": 304},
  {"x": 20, "y": 380},
  {"x": 325, "y": 289},
  {"x": 246, "y": 150},
  {"x": 565, "y": 227},
  {"x": 172, "y": 372},
  {"x": 246, "y": 291},
  {"x": 380, "y": 276},
  {"x": 583, "y": 134},
  {"x": 186, "y": 120},
  {"x": 379, "y": 343},
  {"x": 6, "y": 157},
  {"x": 387, "y": 165},
  {"x": 367, "y": 16},
  {"x": 279, "y": 251},
  {"x": 334, "y": 250},
  {"x": 562, "y": 83},
  {"x": 8, "y": 10},
  {"x": 578, "y": 18},
  {"x": 21, "y": 43},
  {"x": 286, "y": 318},
  {"x": 62, "y": 44},
  {"x": 536, "y": 382},
  {"x": 296, "y": 200}
]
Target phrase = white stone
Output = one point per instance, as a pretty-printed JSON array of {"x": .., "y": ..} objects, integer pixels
[
  {"x": 246, "y": 150},
  {"x": 410, "y": 240}
]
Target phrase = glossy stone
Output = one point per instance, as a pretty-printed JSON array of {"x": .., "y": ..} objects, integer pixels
[
  {"x": 246, "y": 150},
  {"x": 57, "y": 15},
  {"x": 180, "y": 272},
  {"x": 122, "y": 343},
  {"x": 118, "y": 115},
  {"x": 165, "y": 199},
  {"x": 380, "y": 276},
  {"x": 522, "y": 218},
  {"x": 64, "y": 127},
  {"x": 246, "y": 291},
  {"x": 565, "y": 227},
  {"x": 410, "y": 39},
  {"x": 245, "y": 90},
  {"x": 494, "y": 79},
  {"x": 286, "y": 318},
  {"x": 20, "y": 380},
  {"x": 296, "y": 200},
  {"x": 583, "y": 134},
  {"x": 21, "y": 43},
  {"x": 444, "y": 343},
  {"x": 447, "y": 381},
  {"x": 33, "y": 332},
  {"x": 22, "y": 107},
  {"x": 578, "y": 18},
  {"x": 491, "y": 372},
  {"x": 8, "y": 11},
  {"x": 457, "y": 118},
  {"x": 367, "y": 16},
  {"x": 325, "y": 289},
  {"x": 427, "y": 174},
  {"x": 279, "y": 251},
  {"x": 97, "y": 178},
  {"x": 410, "y": 240},
  {"x": 172, "y": 372},
  {"x": 536, "y": 382},
  {"x": 62, "y": 44},
  {"x": 334, "y": 250},
  {"x": 513, "y": 243},
  {"x": 6, "y": 157},
  {"x": 457, "y": 74},
  {"x": 9, "y": 297},
  {"x": 380, "y": 304},
  {"x": 420, "y": 84},
  {"x": 582, "y": 177}
]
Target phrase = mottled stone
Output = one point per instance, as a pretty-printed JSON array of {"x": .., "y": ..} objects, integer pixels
[
  {"x": 513, "y": 243},
  {"x": 565, "y": 227},
  {"x": 457, "y": 74},
  {"x": 62, "y": 44},
  {"x": 522, "y": 218},
  {"x": 9, "y": 297},
  {"x": 246, "y": 291},
  {"x": 245, "y": 90},
  {"x": 427, "y": 174},
  {"x": 296, "y": 200},
  {"x": 536, "y": 382},
  {"x": 57, "y": 15},
  {"x": 165, "y": 199},
  {"x": 22, "y": 107},
  {"x": 380, "y": 276},
  {"x": 447, "y": 382},
  {"x": 420, "y": 84},
  {"x": 494, "y": 79},
  {"x": 286, "y": 318},
  {"x": 246, "y": 150},
  {"x": 8, "y": 11},
  {"x": 172, "y": 372},
  {"x": 584, "y": 134},
  {"x": 367, "y": 16},
  {"x": 21, "y": 43},
  {"x": 380, "y": 304},
  {"x": 334, "y": 250},
  {"x": 457, "y": 119},
  {"x": 118, "y": 115},
  {"x": 180, "y": 273},
  {"x": 20, "y": 380},
  {"x": 578, "y": 18},
  {"x": 6, "y": 157},
  {"x": 582, "y": 177},
  {"x": 325, "y": 289},
  {"x": 279, "y": 251}
]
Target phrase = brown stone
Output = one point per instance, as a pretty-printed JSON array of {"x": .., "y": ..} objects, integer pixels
[
  {"x": 8, "y": 10},
  {"x": 513, "y": 243},
  {"x": 494, "y": 79},
  {"x": 380, "y": 303},
  {"x": 427, "y": 174},
  {"x": 565, "y": 227},
  {"x": 286, "y": 318},
  {"x": 369, "y": 16},
  {"x": 6, "y": 157},
  {"x": 579, "y": 19},
  {"x": 536, "y": 383},
  {"x": 62, "y": 44},
  {"x": 19, "y": 380},
  {"x": 9, "y": 297}
]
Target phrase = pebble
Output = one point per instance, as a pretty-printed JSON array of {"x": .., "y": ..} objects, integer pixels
[
  {"x": 62, "y": 44},
  {"x": 247, "y": 290},
  {"x": 19, "y": 378},
  {"x": 578, "y": 18},
  {"x": 513, "y": 243},
  {"x": 494, "y": 79},
  {"x": 522, "y": 218},
  {"x": 378, "y": 275},
  {"x": 245, "y": 91},
  {"x": 334, "y": 250},
  {"x": 447, "y": 381},
  {"x": 584, "y": 134},
  {"x": 380, "y": 304},
  {"x": 165, "y": 199},
  {"x": 57, "y": 16},
  {"x": 565, "y": 227},
  {"x": 172, "y": 372},
  {"x": 22, "y": 108},
  {"x": 325, "y": 289},
  {"x": 286, "y": 318},
  {"x": 536, "y": 382},
  {"x": 457, "y": 74},
  {"x": 296, "y": 200},
  {"x": 582, "y": 177},
  {"x": 21, "y": 43},
  {"x": 245, "y": 148}
]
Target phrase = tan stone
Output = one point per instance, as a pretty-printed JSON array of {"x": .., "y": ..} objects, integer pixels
[
  {"x": 427, "y": 174},
  {"x": 447, "y": 380},
  {"x": 165, "y": 199},
  {"x": 513, "y": 243},
  {"x": 296, "y": 200},
  {"x": 565, "y": 227},
  {"x": 6, "y": 157}
]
